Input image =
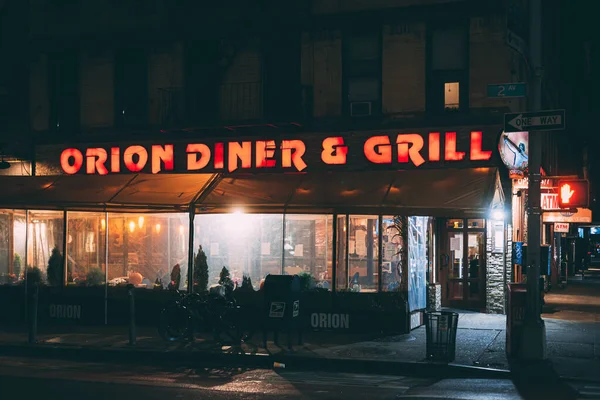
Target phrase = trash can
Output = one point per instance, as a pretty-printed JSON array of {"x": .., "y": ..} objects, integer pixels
[
  {"x": 515, "y": 317},
  {"x": 441, "y": 335},
  {"x": 282, "y": 301}
]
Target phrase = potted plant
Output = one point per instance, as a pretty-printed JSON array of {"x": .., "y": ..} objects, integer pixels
[
  {"x": 55, "y": 268},
  {"x": 225, "y": 280},
  {"x": 94, "y": 277},
  {"x": 201, "y": 271},
  {"x": 17, "y": 264}
]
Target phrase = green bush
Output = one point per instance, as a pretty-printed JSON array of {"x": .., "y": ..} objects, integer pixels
[
  {"x": 55, "y": 268},
  {"x": 307, "y": 281},
  {"x": 201, "y": 271},
  {"x": 94, "y": 277}
]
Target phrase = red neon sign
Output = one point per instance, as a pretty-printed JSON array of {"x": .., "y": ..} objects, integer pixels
[{"x": 402, "y": 150}]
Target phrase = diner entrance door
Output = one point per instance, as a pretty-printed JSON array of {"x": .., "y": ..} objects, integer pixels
[{"x": 462, "y": 264}]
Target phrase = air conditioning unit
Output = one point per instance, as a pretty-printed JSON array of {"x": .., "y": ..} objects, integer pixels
[{"x": 360, "y": 109}]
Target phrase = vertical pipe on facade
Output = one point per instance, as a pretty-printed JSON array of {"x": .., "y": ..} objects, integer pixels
[
  {"x": 346, "y": 252},
  {"x": 283, "y": 243},
  {"x": 190, "y": 272},
  {"x": 334, "y": 254},
  {"x": 65, "y": 245},
  {"x": 106, "y": 268},
  {"x": 26, "y": 264},
  {"x": 380, "y": 254}
]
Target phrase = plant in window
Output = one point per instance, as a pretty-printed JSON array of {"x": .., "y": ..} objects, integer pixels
[
  {"x": 307, "y": 281},
  {"x": 55, "y": 268},
  {"x": 175, "y": 278},
  {"x": 34, "y": 276},
  {"x": 225, "y": 280},
  {"x": 201, "y": 271},
  {"x": 17, "y": 264},
  {"x": 247, "y": 284},
  {"x": 94, "y": 277}
]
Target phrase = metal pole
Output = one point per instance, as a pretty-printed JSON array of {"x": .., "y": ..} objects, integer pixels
[
  {"x": 190, "y": 272},
  {"x": 534, "y": 334},
  {"x": 131, "y": 296},
  {"x": 33, "y": 314},
  {"x": 106, "y": 268},
  {"x": 65, "y": 249}
]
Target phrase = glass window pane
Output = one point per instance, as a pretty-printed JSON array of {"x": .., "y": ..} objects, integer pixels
[
  {"x": 417, "y": 262},
  {"x": 391, "y": 248},
  {"x": 448, "y": 49},
  {"x": 363, "y": 89},
  {"x": 451, "y": 95},
  {"x": 477, "y": 223},
  {"x": 46, "y": 236},
  {"x": 456, "y": 255},
  {"x": 341, "y": 270},
  {"x": 86, "y": 248},
  {"x": 247, "y": 244},
  {"x": 363, "y": 253},
  {"x": 12, "y": 246},
  {"x": 455, "y": 223},
  {"x": 362, "y": 47},
  {"x": 143, "y": 249},
  {"x": 308, "y": 247}
]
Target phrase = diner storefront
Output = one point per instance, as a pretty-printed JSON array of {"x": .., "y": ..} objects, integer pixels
[{"x": 372, "y": 221}]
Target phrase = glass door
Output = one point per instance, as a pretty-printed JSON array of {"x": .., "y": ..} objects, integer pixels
[{"x": 462, "y": 264}]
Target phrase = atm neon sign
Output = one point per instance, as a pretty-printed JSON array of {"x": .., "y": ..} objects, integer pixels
[{"x": 400, "y": 151}]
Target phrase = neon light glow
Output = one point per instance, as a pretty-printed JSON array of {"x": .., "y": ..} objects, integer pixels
[
  {"x": 198, "y": 156},
  {"x": 291, "y": 154},
  {"x": 71, "y": 161},
  {"x": 241, "y": 151},
  {"x": 477, "y": 154},
  {"x": 378, "y": 150},
  {"x": 162, "y": 156},
  {"x": 142, "y": 158},
  {"x": 265, "y": 151},
  {"x": 450, "y": 152},
  {"x": 115, "y": 163},
  {"x": 334, "y": 152},
  {"x": 434, "y": 146},
  {"x": 413, "y": 152},
  {"x": 219, "y": 156},
  {"x": 95, "y": 159}
]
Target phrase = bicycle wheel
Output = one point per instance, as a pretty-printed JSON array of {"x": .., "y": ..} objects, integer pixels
[{"x": 174, "y": 323}]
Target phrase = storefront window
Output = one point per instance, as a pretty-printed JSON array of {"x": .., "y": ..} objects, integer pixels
[
  {"x": 478, "y": 223},
  {"x": 455, "y": 223},
  {"x": 341, "y": 249},
  {"x": 12, "y": 246},
  {"x": 143, "y": 249},
  {"x": 363, "y": 254},
  {"x": 417, "y": 262},
  {"x": 391, "y": 248},
  {"x": 45, "y": 238},
  {"x": 308, "y": 247},
  {"x": 86, "y": 248},
  {"x": 247, "y": 244}
]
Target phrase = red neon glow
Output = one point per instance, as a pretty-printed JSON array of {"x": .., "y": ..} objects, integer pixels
[
  {"x": 115, "y": 162},
  {"x": 71, "y": 161},
  {"x": 164, "y": 155},
  {"x": 241, "y": 151},
  {"x": 334, "y": 152},
  {"x": 198, "y": 156},
  {"x": 219, "y": 156},
  {"x": 477, "y": 154},
  {"x": 378, "y": 150},
  {"x": 566, "y": 193},
  {"x": 450, "y": 149},
  {"x": 434, "y": 146},
  {"x": 142, "y": 154},
  {"x": 265, "y": 151},
  {"x": 405, "y": 151},
  {"x": 291, "y": 154},
  {"x": 95, "y": 159}
]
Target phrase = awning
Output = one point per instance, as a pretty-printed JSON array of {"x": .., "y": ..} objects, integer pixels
[{"x": 448, "y": 192}]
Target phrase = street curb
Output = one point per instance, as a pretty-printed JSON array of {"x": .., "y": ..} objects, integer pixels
[{"x": 206, "y": 359}]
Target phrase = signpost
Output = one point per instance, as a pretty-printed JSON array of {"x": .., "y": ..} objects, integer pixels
[
  {"x": 535, "y": 121},
  {"x": 507, "y": 90}
]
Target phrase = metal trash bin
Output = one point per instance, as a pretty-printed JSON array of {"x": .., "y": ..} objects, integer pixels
[{"x": 441, "y": 335}]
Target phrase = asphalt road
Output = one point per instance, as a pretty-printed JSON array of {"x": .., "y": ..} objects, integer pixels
[{"x": 24, "y": 379}]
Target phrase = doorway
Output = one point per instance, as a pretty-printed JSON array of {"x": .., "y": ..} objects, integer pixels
[{"x": 462, "y": 263}]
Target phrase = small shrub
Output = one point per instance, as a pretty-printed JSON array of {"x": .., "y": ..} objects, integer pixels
[
  {"x": 55, "y": 268},
  {"x": 225, "y": 279},
  {"x": 94, "y": 277}
]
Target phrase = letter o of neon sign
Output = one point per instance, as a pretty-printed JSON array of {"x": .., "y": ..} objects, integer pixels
[{"x": 65, "y": 161}]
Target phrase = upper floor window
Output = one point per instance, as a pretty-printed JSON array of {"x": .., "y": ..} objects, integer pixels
[
  {"x": 63, "y": 91},
  {"x": 447, "y": 69},
  {"x": 131, "y": 87},
  {"x": 362, "y": 73}
]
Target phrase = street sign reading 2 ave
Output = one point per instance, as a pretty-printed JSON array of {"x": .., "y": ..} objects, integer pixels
[{"x": 535, "y": 121}]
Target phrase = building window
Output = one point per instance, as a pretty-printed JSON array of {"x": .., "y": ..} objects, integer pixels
[
  {"x": 447, "y": 74},
  {"x": 451, "y": 95},
  {"x": 131, "y": 88},
  {"x": 362, "y": 73},
  {"x": 63, "y": 92}
]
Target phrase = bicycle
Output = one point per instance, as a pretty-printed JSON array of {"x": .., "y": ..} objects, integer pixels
[{"x": 215, "y": 311}]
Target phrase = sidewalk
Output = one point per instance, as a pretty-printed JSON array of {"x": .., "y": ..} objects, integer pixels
[{"x": 573, "y": 349}]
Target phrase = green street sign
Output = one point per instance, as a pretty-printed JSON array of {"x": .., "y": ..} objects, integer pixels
[{"x": 507, "y": 90}]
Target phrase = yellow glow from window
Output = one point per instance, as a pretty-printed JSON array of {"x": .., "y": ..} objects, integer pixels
[{"x": 451, "y": 95}]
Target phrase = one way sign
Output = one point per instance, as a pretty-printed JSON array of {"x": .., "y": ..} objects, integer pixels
[{"x": 535, "y": 121}]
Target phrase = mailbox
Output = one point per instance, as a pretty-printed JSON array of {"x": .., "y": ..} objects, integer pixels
[{"x": 282, "y": 306}]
